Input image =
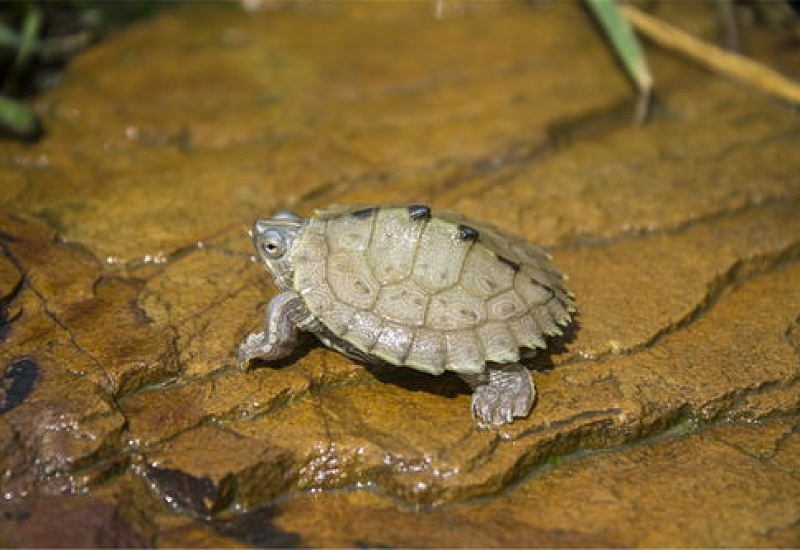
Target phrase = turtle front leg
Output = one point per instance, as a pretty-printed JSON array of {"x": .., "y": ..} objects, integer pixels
[
  {"x": 501, "y": 393},
  {"x": 280, "y": 332}
]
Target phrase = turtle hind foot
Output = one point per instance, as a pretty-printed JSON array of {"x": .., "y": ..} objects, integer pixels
[{"x": 506, "y": 392}]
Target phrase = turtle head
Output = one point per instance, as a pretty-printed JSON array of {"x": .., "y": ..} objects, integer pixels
[{"x": 273, "y": 239}]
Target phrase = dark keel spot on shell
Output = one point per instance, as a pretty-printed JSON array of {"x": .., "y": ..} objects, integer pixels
[
  {"x": 419, "y": 212},
  {"x": 510, "y": 263},
  {"x": 467, "y": 233},
  {"x": 364, "y": 213}
]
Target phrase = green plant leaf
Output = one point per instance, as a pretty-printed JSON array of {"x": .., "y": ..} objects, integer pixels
[
  {"x": 627, "y": 47},
  {"x": 17, "y": 120}
]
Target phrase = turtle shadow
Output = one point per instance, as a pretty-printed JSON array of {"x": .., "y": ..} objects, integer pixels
[
  {"x": 448, "y": 384},
  {"x": 445, "y": 385}
]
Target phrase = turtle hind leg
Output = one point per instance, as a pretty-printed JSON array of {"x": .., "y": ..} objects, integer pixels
[{"x": 501, "y": 393}]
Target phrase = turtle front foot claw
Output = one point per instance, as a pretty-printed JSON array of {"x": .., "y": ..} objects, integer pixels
[{"x": 251, "y": 347}]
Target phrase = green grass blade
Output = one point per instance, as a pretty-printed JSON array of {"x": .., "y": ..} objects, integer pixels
[
  {"x": 30, "y": 36},
  {"x": 627, "y": 46}
]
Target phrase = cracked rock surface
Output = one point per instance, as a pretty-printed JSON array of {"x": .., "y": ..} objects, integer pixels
[{"x": 669, "y": 415}]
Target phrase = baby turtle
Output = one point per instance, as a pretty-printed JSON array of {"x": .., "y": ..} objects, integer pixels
[{"x": 403, "y": 286}]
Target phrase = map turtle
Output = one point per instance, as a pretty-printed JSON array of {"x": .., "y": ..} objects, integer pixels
[{"x": 409, "y": 287}]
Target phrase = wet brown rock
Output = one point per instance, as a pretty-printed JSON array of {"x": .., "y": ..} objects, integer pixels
[
  {"x": 10, "y": 285},
  {"x": 210, "y": 468},
  {"x": 69, "y": 523},
  {"x": 373, "y": 434},
  {"x": 77, "y": 342},
  {"x": 667, "y": 417},
  {"x": 680, "y": 272},
  {"x": 202, "y": 305},
  {"x": 644, "y": 495},
  {"x": 66, "y": 289},
  {"x": 122, "y": 514}
]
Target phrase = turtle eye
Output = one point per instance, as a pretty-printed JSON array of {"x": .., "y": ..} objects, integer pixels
[{"x": 273, "y": 245}]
